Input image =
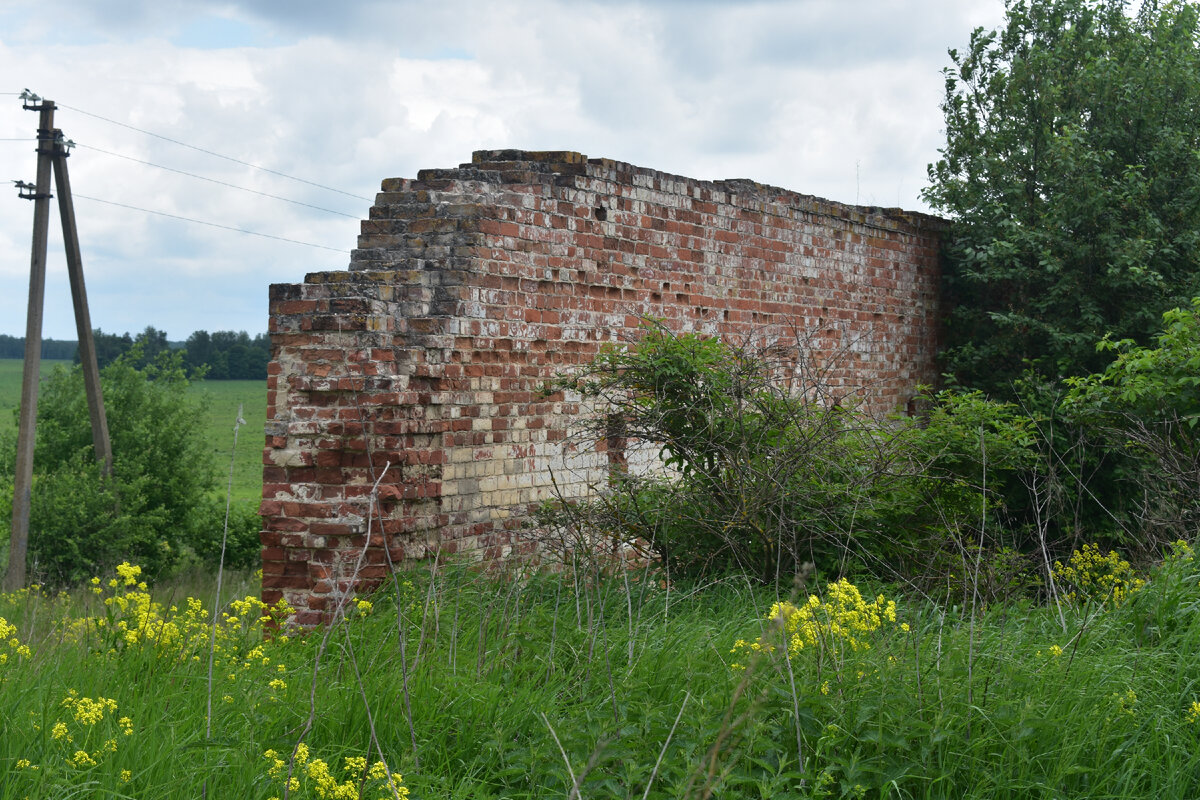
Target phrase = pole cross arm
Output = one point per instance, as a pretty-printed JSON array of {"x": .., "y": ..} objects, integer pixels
[{"x": 28, "y": 191}]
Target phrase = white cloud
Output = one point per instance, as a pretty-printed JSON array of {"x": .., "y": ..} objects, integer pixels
[{"x": 837, "y": 98}]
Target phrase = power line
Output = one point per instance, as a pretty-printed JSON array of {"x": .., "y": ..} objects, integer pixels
[
  {"x": 205, "y": 222},
  {"x": 214, "y": 180},
  {"x": 212, "y": 153}
]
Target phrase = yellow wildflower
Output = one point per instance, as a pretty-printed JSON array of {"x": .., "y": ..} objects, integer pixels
[{"x": 128, "y": 573}]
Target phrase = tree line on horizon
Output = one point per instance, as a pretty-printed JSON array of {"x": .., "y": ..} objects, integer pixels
[{"x": 220, "y": 355}]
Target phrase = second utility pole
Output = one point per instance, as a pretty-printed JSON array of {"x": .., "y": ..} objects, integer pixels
[{"x": 83, "y": 320}]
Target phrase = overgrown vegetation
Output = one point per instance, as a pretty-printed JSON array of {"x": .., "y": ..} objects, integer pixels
[
  {"x": 750, "y": 463},
  {"x": 591, "y": 684},
  {"x": 161, "y": 502},
  {"x": 994, "y": 599}
]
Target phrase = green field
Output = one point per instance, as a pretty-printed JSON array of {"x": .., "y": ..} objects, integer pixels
[
  {"x": 10, "y": 386},
  {"x": 219, "y": 403}
]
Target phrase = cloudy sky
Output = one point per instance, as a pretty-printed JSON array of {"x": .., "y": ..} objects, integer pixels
[{"x": 835, "y": 98}]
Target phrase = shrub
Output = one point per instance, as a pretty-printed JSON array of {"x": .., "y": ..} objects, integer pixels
[
  {"x": 1145, "y": 407},
  {"x": 243, "y": 547},
  {"x": 151, "y": 508},
  {"x": 762, "y": 469},
  {"x": 766, "y": 471}
]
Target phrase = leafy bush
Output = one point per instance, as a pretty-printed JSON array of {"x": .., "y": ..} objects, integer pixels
[
  {"x": 152, "y": 507},
  {"x": 766, "y": 471},
  {"x": 242, "y": 545},
  {"x": 1145, "y": 407},
  {"x": 754, "y": 476}
]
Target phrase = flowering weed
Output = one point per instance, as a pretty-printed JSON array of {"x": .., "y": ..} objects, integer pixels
[
  {"x": 843, "y": 619},
  {"x": 1093, "y": 577},
  {"x": 314, "y": 778}
]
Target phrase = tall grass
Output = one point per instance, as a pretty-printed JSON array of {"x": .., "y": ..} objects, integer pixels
[{"x": 592, "y": 685}]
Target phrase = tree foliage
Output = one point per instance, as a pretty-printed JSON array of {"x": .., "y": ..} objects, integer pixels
[
  {"x": 1072, "y": 165},
  {"x": 228, "y": 355},
  {"x": 1146, "y": 405}
]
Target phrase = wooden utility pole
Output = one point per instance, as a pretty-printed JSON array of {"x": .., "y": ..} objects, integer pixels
[
  {"x": 83, "y": 320},
  {"x": 14, "y": 576},
  {"x": 52, "y": 154}
]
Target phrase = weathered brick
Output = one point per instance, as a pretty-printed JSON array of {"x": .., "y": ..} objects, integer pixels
[{"x": 472, "y": 287}]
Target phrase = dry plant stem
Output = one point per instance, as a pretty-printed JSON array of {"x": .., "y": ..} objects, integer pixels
[
  {"x": 428, "y": 601},
  {"x": 917, "y": 658},
  {"x": 404, "y": 669},
  {"x": 400, "y": 634},
  {"x": 509, "y": 621},
  {"x": 373, "y": 504},
  {"x": 339, "y": 615},
  {"x": 795, "y": 707},
  {"x": 452, "y": 657},
  {"x": 212, "y": 641},
  {"x": 362, "y": 691},
  {"x": 553, "y": 630},
  {"x": 575, "y": 582},
  {"x": 480, "y": 649},
  {"x": 1042, "y": 489},
  {"x": 975, "y": 586},
  {"x": 937, "y": 664},
  {"x": 663, "y": 751},
  {"x": 628, "y": 610},
  {"x": 612, "y": 689},
  {"x": 1078, "y": 637},
  {"x": 571, "y": 772}
]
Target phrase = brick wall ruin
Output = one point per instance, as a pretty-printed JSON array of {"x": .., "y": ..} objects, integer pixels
[{"x": 472, "y": 286}]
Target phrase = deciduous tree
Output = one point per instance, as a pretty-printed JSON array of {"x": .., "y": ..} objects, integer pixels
[{"x": 1072, "y": 167}]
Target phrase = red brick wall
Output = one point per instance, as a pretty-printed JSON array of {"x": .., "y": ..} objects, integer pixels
[{"x": 472, "y": 286}]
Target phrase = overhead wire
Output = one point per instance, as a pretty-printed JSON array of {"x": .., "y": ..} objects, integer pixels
[
  {"x": 205, "y": 222},
  {"x": 205, "y": 178},
  {"x": 214, "y": 180},
  {"x": 212, "y": 152}
]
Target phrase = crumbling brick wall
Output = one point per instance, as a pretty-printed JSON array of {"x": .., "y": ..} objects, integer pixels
[{"x": 423, "y": 365}]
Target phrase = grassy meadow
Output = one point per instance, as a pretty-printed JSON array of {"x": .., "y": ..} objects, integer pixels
[
  {"x": 587, "y": 681},
  {"x": 221, "y": 400},
  {"x": 586, "y": 684}
]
